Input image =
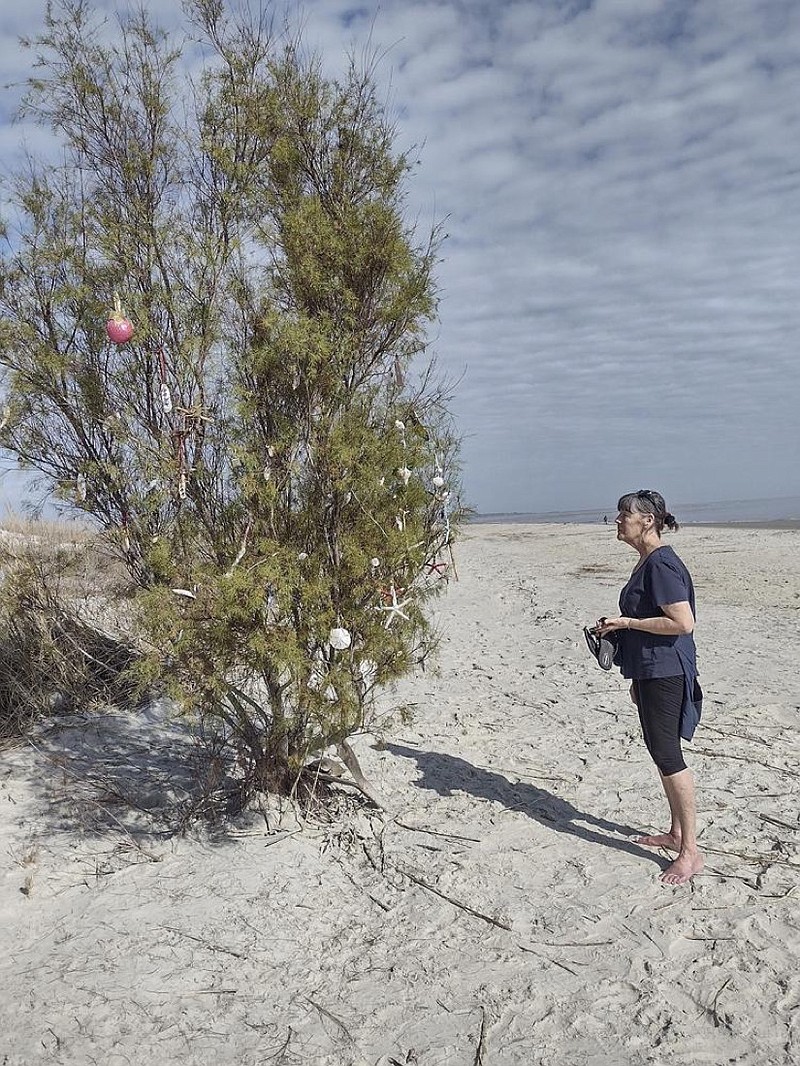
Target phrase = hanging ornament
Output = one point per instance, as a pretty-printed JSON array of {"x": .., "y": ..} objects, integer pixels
[
  {"x": 80, "y": 488},
  {"x": 119, "y": 327},
  {"x": 166, "y": 398},
  {"x": 399, "y": 378},
  {"x": 182, "y": 492},
  {"x": 302, "y": 556},
  {"x": 405, "y": 474},
  {"x": 339, "y": 639},
  {"x": 392, "y": 607},
  {"x": 375, "y": 563},
  {"x": 438, "y": 481}
]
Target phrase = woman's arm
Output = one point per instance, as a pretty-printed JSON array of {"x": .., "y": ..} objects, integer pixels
[{"x": 676, "y": 620}]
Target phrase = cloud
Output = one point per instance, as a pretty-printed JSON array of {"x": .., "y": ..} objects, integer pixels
[{"x": 618, "y": 179}]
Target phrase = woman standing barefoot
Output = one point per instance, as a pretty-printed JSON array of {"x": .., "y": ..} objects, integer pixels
[{"x": 656, "y": 651}]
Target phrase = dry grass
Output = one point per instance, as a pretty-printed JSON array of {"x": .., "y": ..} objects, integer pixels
[{"x": 60, "y": 646}]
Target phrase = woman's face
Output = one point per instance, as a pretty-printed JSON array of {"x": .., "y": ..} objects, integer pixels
[{"x": 632, "y": 526}]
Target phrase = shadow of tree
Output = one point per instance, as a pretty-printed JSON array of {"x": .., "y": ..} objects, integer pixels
[
  {"x": 142, "y": 771},
  {"x": 445, "y": 774}
]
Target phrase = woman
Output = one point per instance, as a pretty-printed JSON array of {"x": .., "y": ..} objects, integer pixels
[{"x": 655, "y": 649}]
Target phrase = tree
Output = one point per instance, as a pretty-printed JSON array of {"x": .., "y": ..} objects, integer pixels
[{"x": 257, "y": 454}]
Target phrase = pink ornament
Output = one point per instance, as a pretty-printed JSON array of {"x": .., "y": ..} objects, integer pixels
[{"x": 119, "y": 327}]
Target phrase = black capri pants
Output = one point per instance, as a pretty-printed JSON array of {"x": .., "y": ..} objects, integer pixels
[{"x": 659, "y": 700}]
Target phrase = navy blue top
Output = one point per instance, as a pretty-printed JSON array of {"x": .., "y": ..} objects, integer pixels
[{"x": 662, "y": 578}]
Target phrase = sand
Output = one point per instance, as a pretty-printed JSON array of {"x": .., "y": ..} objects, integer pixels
[{"x": 498, "y": 913}]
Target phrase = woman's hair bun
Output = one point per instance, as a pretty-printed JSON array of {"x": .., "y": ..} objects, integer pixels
[{"x": 670, "y": 521}]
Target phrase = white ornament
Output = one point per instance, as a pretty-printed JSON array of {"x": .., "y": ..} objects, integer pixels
[
  {"x": 182, "y": 486},
  {"x": 400, "y": 425},
  {"x": 340, "y": 639},
  {"x": 80, "y": 488},
  {"x": 166, "y": 399},
  {"x": 405, "y": 474},
  {"x": 302, "y": 556},
  {"x": 375, "y": 563},
  {"x": 438, "y": 481}
]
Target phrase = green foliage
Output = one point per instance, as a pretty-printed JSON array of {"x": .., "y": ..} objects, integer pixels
[{"x": 267, "y": 455}]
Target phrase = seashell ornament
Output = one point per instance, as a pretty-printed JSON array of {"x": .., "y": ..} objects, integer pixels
[{"x": 339, "y": 639}]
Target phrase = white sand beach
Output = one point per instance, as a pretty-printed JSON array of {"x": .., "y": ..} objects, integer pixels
[{"x": 497, "y": 913}]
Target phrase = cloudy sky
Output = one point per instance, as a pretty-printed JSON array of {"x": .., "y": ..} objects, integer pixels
[{"x": 620, "y": 182}]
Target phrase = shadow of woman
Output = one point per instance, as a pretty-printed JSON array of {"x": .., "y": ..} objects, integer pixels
[{"x": 446, "y": 773}]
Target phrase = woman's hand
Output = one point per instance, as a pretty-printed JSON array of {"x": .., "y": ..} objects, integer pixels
[{"x": 610, "y": 625}]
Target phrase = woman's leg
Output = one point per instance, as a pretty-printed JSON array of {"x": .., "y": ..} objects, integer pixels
[
  {"x": 680, "y": 796},
  {"x": 659, "y": 703}
]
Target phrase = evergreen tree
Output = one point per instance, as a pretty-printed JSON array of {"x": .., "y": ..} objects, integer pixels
[{"x": 249, "y": 429}]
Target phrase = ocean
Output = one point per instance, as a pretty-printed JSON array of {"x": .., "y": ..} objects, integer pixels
[{"x": 775, "y": 511}]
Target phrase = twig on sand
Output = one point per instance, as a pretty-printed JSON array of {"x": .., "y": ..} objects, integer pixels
[
  {"x": 740, "y": 736},
  {"x": 745, "y": 758},
  {"x": 714, "y": 1015},
  {"x": 541, "y": 955},
  {"x": 455, "y": 903},
  {"x": 280, "y": 1054},
  {"x": 205, "y": 943},
  {"x": 433, "y": 832},
  {"x": 777, "y": 821},
  {"x": 478, "y": 1060},
  {"x": 767, "y": 860},
  {"x": 333, "y": 1018}
]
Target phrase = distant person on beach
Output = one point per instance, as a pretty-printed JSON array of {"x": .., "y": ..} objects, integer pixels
[
  {"x": 655, "y": 649},
  {"x": 605, "y": 519}
]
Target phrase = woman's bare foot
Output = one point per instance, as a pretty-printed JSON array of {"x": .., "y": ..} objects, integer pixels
[
  {"x": 683, "y": 869},
  {"x": 661, "y": 840}
]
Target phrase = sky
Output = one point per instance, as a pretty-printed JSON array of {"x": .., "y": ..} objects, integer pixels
[{"x": 620, "y": 185}]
